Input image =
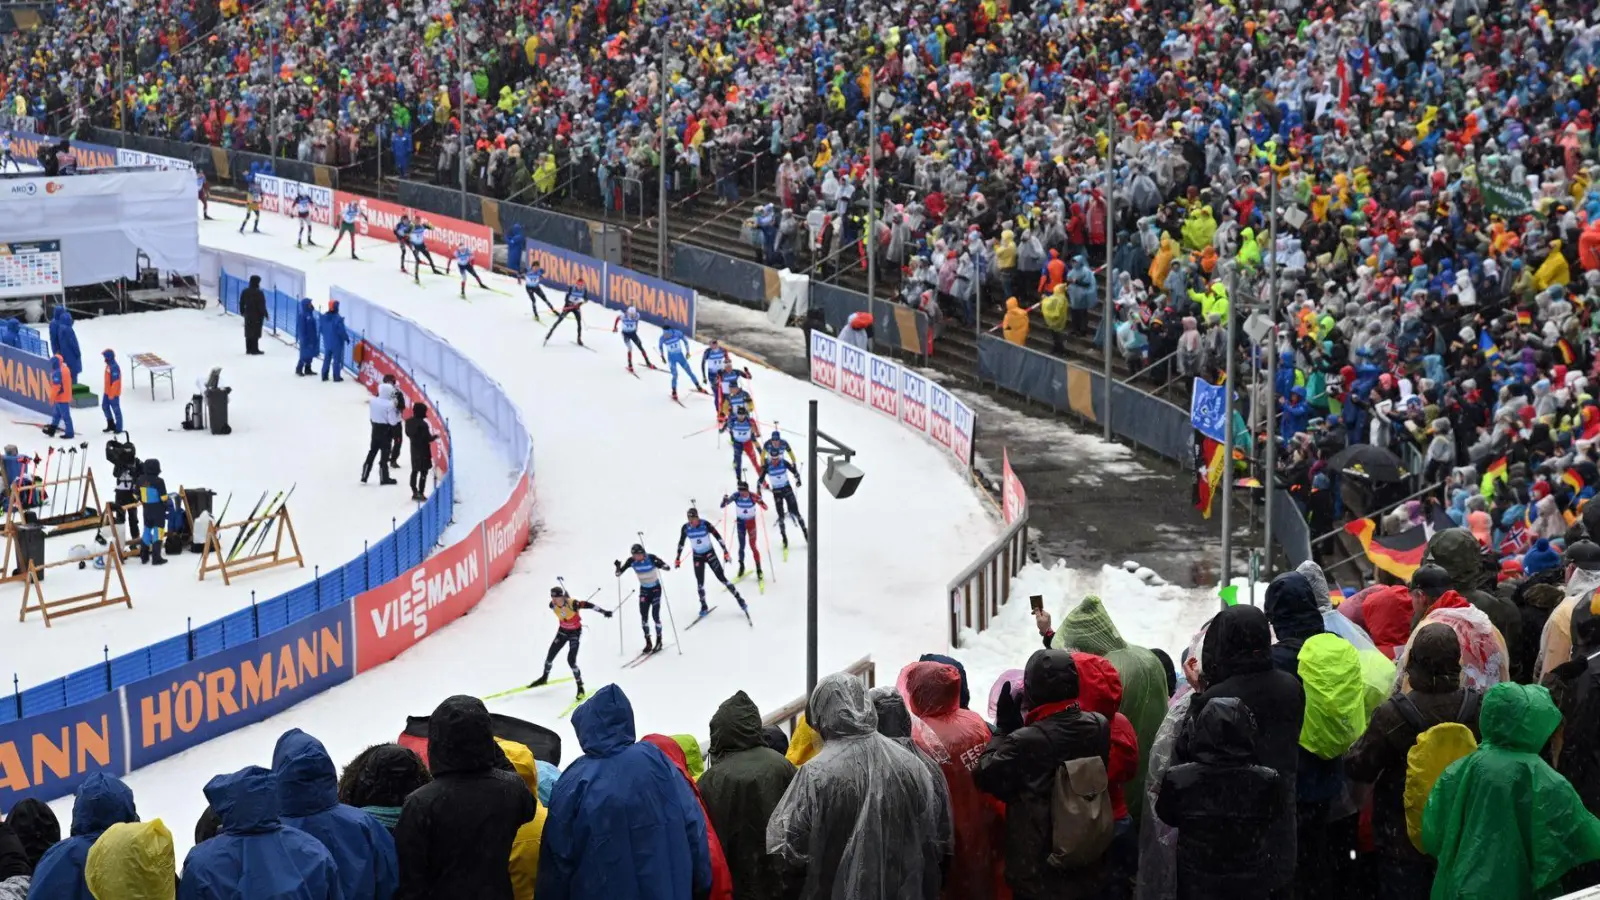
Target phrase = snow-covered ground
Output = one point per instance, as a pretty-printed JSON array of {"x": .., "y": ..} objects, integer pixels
[
  {"x": 287, "y": 432},
  {"x": 615, "y": 456},
  {"x": 1147, "y": 614}
]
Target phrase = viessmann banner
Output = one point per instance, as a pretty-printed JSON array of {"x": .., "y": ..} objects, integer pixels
[
  {"x": 894, "y": 390},
  {"x": 444, "y": 234}
]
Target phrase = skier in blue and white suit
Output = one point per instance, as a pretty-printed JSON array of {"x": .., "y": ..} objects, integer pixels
[
  {"x": 699, "y": 534},
  {"x": 674, "y": 348},
  {"x": 648, "y": 567},
  {"x": 630, "y": 335},
  {"x": 776, "y": 474}
]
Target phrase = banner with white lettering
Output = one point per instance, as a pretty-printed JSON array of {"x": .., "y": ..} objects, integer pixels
[{"x": 393, "y": 617}]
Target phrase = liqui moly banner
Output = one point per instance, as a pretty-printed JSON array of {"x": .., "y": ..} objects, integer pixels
[
  {"x": 375, "y": 364},
  {"x": 853, "y": 372},
  {"x": 393, "y": 617},
  {"x": 825, "y": 360},
  {"x": 913, "y": 400},
  {"x": 278, "y": 195},
  {"x": 507, "y": 530},
  {"x": 940, "y": 412},
  {"x": 883, "y": 386},
  {"x": 961, "y": 426}
]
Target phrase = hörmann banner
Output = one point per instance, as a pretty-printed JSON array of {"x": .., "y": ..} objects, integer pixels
[
  {"x": 48, "y": 755},
  {"x": 659, "y": 302},
  {"x": 220, "y": 692}
]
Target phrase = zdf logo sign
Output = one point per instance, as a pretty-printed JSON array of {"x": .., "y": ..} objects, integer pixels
[{"x": 50, "y": 187}]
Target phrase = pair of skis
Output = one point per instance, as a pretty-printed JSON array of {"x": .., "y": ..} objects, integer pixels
[
  {"x": 250, "y": 530},
  {"x": 517, "y": 690}
]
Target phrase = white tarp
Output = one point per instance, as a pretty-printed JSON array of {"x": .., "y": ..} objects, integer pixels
[{"x": 103, "y": 220}]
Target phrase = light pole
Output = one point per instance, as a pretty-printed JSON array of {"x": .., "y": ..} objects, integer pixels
[
  {"x": 1272, "y": 357},
  {"x": 842, "y": 479},
  {"x": 661, "y": 165},
  {"x": 1227, "y": 442},
  {"x": 461, "y": 130},
  {"x": 1107, "y": 316},
  {"x": 872, "y": 185}
]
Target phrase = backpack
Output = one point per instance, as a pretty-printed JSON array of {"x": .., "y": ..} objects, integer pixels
[
  {"x": 1436, "y": 748},
  {"x": 1081, "y": 821}
]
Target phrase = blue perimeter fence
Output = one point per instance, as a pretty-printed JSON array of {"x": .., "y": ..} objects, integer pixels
[{"x": 406, "y": 545}]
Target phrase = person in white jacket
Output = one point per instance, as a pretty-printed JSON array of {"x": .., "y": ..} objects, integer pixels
[{"x": 384, "y": 414}]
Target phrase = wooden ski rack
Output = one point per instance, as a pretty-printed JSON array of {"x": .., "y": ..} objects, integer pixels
[
  {"x": 33, "y": 586},
  {"x": 67, "y": 523},
  {"x": 214, "y": 558}
]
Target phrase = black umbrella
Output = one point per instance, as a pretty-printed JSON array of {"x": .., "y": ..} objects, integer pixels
[{"x": 1376, "y": 463}]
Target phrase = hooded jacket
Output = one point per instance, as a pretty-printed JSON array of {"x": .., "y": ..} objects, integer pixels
[
  {"x": 894, "y": 723},
  {"x": 253, "y": 304},
  {"x": 132, "y": 861},
  {"x": 1291, "y": 608},
  {"x": 951, "y": 736},
  {"x": 721, "y": 877},
  {"x": 1501, "y": 822},
  {"x": 621, "y": 787},
  {"x": 254, "y": 857},
  {"x": 1144, "y": 677},
  {"x": 1223, "y": 804},
  {"x": 524, "y": 866},
  {"x": 1459, "y": 553},
  {"x": 65, "y": 340},
  {"x": 332, "y": 330},
  {"x": 1019, "y": 769},
  {"x": 308, "y": 799},
  {"x": 101, "y": 801},
  {"x": 306, "y": 330},
  {"x": 1100, "y": 691},
  {"x": 36, "y": 827},
  {"x": 858, "y": 819},
  {"x": 740, "y": 790},
  {"x": 1236, "y": 658},
  {"x": 1379, "y": 756},
  {"x": 1015, "y": 324},
  {"x": 455, "y": 833}
]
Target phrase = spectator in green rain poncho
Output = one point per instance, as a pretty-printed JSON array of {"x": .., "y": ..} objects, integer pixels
[
  {"x": 1503, "y": 824},
  {"x": 1144, "y": 679}
]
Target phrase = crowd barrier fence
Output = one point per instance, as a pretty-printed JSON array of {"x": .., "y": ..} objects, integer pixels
[{"x": 142, "y": 706}]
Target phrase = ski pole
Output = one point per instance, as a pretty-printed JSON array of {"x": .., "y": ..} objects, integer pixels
[
  {"x": 83, "y": 476},
  {"x": 766, "y": 541},
  {"x": 620, "y": 651},
  {"x": 670, "y": 618}
]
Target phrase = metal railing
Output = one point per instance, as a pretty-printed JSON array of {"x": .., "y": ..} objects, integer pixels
[
  {"x": 787, "y": 714},
  {"x": 984, "y": 586}
]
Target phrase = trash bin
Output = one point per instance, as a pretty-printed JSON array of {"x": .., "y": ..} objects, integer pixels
[{"x": 217, "y": 409}]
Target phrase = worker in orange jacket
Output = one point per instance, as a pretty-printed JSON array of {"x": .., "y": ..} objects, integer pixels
[
  {"x": 111, "y": 400},
  {"x": 1055, "y": 272},
  {"x": 61, "y": 398}
]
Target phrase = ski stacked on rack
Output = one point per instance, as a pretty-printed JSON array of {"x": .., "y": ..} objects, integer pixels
[
  {"x": 518, "y": 690},
  {"x": 239, "y": 538},
  {"x": 269, "y": 524},
  {"x": 250, "y": 531}
]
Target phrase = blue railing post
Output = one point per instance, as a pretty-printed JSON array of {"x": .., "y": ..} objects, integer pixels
[
  {"x": 107, "y": 652},
  {"x": 255, "y": 616},
  {"x": 366, "y": 565},
  {"x": 316, "y": 579},
  {"x": 16, "y": 692},
  {"x": 188, "y": 627}
]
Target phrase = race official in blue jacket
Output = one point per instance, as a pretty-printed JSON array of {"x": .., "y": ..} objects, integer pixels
[
  {"x": 305, "y": 334},
  {"x": 334, "y": 338}
]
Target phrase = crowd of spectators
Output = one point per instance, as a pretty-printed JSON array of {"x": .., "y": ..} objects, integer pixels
[
  {"x": 1244, "y": 765},
  {"x": 1437, "y": 242}
]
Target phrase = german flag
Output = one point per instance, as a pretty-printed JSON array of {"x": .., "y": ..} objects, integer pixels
[
  {"x": 1524, "y": 317},
  {"x": 1495, "y": 472},
  {"x": 1208, "y": 475},
  {"x": 1574, "y": 480},
  {"x": 1568, "y": 355},
  {"x": 1398, "y": 554}
]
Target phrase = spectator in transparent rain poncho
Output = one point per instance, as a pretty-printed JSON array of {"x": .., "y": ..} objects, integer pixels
[{"x": 860, "y": 819}]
